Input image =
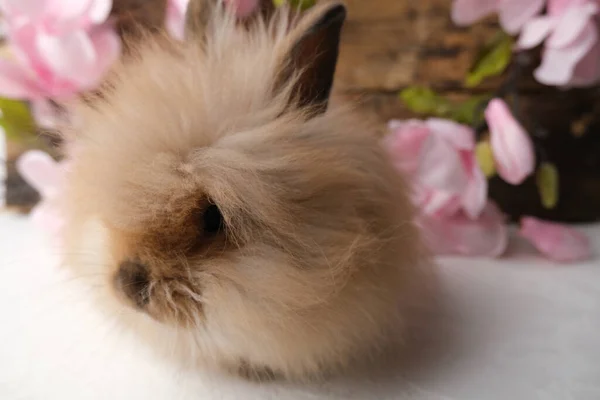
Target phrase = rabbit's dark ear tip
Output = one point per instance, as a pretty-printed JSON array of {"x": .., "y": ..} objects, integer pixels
[{"x": 335, "y": 14}]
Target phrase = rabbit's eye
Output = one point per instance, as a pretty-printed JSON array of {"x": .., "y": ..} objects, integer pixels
[{"x": 212, "y": 220}]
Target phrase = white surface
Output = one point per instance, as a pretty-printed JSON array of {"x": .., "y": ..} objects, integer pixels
[
  {"x": 3, "y": 169},
  {"x": 513, "y": 330}
]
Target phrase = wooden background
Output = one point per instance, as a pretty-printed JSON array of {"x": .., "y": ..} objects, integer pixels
[{"x": 390, "y": 44}]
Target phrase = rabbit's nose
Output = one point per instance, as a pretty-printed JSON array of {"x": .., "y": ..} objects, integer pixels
[{"x": 133, "y": 279}]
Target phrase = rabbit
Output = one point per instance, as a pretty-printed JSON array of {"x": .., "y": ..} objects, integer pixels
[{"x": 228, "y": 213}]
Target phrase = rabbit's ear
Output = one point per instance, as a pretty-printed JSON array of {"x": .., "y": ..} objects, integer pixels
[
  {"x": 200, "y": 12},
  {"x": 311, "y": 55}
]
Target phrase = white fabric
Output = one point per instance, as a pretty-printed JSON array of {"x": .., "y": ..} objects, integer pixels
[{"x": 519, "y": 329}]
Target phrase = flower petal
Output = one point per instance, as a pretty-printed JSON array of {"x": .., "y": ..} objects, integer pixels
[
  {"x": 558, "y": 64},
  {"x": 67, "y": 9},
  {"x": 587, "y": 70},
  {"x": 40, "y": 171},
  {"x": 67, "y": 55},
  {"x": 439, "y": 204},
  {"x": 515, "y": 13},
  {"x": 466, "y": 12},
  {"x": 25, "y": 47},
  {"x": 555, "y": 241},
  {"x": 460, "y": 136},
  {"x": 441, "y": 166},
  {"x": 404, "y": 143},
  {"x": 107, "y": 46},
  {"x": 511, "y": 145},
  {"x": 535, "y": 31},
  {"x": 571, "y": 25},
  {"x": 64, "y": 16},
  {"x": 30, "y": 9},
  {"x": 99, "y": 11},
  {"x": 559, "y": 7},
  {"x": 175, "y": 19},
  {"x": 485, "y": 236},
  {"x": 475, "y": 195},
  {"x": 15, "y": 83}
]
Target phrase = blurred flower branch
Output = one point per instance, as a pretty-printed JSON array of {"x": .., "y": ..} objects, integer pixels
[{"x": 485, "y": 136}]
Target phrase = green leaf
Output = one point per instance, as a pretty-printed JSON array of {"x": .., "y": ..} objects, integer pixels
[
  {"x": 301, "y": 4},
  {"x": 485, "y": 158},
  {"x": 470, "y": 111},
  {"x": 547, "y": 183},
  {"x": 492, "y": 61},
  {"x": 16, "y": 119},
  {"x": 425, "y": 101}
]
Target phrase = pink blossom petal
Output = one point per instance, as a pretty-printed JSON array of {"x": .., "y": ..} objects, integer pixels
[
  {"x": 558, "y": 64},
  {"x": 441, "y": 167},
  {"x": 404, "y": 143},
  {"x": 515, "y": 13},
  {"x": 571, "y": 25},
  {"x": 439, "y": 204},
  {"x": 475, "y": 195},
  {"x": 67, "y": 55},
  {"x": 435, "y": 203},
  {"x": 587, "y": 71},
  {"x": 25, "y": 47},
  {"x": 31, "y": 9},
  {"x": 535, "y": 31},
  {"x": 460, "y": 235},
  {"x": 99, "y": 11},
  {"x": 558, "y": 7},
  {"x": 466, "y": 12},
  {"x": 64, "y": 16},
  {"x": 460, "y": 136},
  {"x": 107, "y": 45},
  {"x": 555, "y": 241},
  {"x": 175, "y": 18},
  {"x": 67, "y": 9},
  {"x": 15, "y": 83},
  {"x": 107, "y": 49},
  {"x": 40, "y": 171},
  {"x": 511, "y": 145}
]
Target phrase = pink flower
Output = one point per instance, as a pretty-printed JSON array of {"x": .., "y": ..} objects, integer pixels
[
  {"x": 512, "y": 147},
  {"x": 60, "y": 47},
  {"x": 486, "y": 235},
  {"x": 555, "y": 241},
  {"x": 47, "y": 177},
  {"x": 439, "y": 157},
  {"x": 571, "y": 54},
  {"x": 450, "y": 190},
  {"x": 513, "y": 13},
  {"x": 175, "y": 17}
]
